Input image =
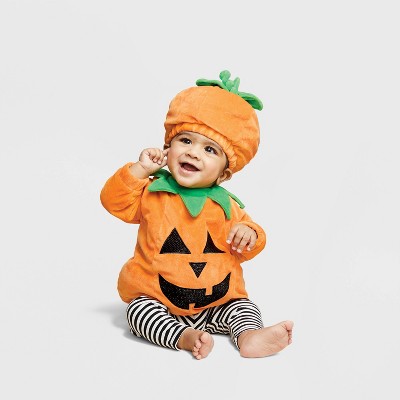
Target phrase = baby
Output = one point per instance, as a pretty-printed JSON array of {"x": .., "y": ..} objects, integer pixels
[{"x": 185, "y": 280}]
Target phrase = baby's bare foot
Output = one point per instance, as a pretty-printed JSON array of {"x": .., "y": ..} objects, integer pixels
[
  {"x": 203, "y": 345},
  {"x": 266, "y": 341},
  {"x": 200, "y": 343}
]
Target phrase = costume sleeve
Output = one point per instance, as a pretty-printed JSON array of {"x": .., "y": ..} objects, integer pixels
[
  {"x": 240, "y": 216},
  {"x": 121, "y": 195}
]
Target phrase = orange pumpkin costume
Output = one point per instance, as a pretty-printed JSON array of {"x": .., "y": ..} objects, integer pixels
[{"x": 181, "y": 259}]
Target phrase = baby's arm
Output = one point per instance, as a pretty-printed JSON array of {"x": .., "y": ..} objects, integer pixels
[
  {"x": 150, "y": 161},
  {"x": 245, "y": 235},
  {"x": 121, "y": 195}
]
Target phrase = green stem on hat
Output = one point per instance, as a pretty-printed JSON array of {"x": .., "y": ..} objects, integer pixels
[{"x": 233, "y": 87}]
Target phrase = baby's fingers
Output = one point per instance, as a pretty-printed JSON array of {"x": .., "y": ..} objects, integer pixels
[
  {"x": 244, "y": 241},
  {"x": 232, "y": 234},
  {"x": 156, "y": 155},
  {"x": 242, "y": 237},
  {"x": 253, "y": 239}
]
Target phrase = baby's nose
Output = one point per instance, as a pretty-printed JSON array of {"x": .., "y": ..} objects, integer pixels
[{"x": 193, "y": 152}]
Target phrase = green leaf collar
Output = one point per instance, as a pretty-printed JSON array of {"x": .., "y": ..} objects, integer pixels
[
  {"x": 194, "y": 199},
  {"x": 233, "y": 87}
]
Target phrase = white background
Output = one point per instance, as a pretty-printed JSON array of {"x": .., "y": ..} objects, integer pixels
[{"x": 85, "y": 85}]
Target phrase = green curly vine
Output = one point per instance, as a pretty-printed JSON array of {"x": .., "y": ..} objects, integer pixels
[{"x": 233, "y": 87}]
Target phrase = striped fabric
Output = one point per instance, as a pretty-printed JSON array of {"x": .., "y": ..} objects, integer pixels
[{"x": 150, "y": 319}]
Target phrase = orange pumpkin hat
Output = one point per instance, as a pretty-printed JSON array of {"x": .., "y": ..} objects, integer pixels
[{"x": 218, "y": 110}]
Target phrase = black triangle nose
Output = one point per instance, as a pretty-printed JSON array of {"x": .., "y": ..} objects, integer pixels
[{"x": 197, "y": 267}]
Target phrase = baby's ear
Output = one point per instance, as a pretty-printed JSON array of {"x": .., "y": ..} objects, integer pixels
[{"x": 225, "y": 176}]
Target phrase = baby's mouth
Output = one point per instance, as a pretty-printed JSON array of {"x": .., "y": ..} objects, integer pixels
[{"x": 189, "y": 167}]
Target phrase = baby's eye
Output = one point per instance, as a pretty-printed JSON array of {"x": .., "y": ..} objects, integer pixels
[
  {"x": 210, "y": 149},
  {"x": 186, "y": 140}
]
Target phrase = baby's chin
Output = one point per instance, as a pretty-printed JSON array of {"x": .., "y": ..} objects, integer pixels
[{"x": 192, "y": 185}]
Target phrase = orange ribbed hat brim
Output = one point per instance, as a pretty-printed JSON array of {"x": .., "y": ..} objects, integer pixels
[{"x": 221, "y": 116}]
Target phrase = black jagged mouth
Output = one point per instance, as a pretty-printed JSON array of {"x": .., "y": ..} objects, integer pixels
[{"x": 183, "y": 297}]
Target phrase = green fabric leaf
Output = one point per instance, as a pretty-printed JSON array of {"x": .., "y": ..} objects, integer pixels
[
  {"x": 233, "y": 87},
  {"x": 194, "y": 199}
]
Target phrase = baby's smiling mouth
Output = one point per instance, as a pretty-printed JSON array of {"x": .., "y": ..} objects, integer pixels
[{"x": 188, "y": 167}]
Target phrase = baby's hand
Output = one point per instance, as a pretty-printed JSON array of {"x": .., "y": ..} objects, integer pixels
[
  {"x": 242, "y": 236},
  {"x": 151, "y": 160}
]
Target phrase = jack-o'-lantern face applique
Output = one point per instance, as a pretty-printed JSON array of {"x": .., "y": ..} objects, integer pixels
[{"x": 182, "y": 297}]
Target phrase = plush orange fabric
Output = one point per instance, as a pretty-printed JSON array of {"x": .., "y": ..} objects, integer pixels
[
  {"x": 220, "y": 115},
  {"x": 182, "y": 261}
]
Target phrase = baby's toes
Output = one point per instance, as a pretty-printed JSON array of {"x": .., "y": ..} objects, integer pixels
[{"x": 196, "y": 354}]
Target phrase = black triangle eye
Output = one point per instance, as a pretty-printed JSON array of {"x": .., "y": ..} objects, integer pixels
[
  {"x": 210, "y": 246},
  {"x": 174, "y": 244}
]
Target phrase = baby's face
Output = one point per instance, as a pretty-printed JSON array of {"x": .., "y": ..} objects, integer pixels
[{"x": 196, "y": 161}]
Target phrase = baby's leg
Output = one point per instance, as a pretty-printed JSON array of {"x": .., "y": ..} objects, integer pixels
[
  {"x": 266, "y": 341},
  {"x": 241, "y": 319},
  {"x": 150, "y": 319}
]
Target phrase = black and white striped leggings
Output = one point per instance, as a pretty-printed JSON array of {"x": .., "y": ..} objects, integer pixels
[{"x": 150, "y": 319}]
